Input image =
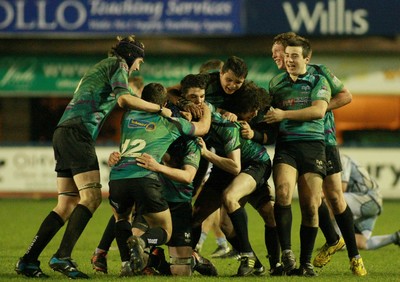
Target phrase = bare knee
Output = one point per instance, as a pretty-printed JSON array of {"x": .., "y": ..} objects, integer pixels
[
  {"x": 336, "y": 201},
  {"x": 282, "y": 194},
  {"x": 230, "y": 202},
  {"x": 66, "y": 204},
  {"x": 91, "y": 196}
]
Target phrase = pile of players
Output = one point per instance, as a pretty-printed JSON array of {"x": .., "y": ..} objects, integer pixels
[{"x": 168, "y": 139}]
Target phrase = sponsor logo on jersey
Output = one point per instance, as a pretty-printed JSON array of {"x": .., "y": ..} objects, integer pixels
[{"x": 148, "y": 126}]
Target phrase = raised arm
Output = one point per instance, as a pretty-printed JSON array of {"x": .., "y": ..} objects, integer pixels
[{"x": 132, "y": 102}]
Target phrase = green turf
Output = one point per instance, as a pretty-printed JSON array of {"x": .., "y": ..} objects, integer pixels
[{"x": 20, "y": 220}]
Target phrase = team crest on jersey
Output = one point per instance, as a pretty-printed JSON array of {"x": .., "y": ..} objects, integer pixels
[{"x": 148, "y": 126}]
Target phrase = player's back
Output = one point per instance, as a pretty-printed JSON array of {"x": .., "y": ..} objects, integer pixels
[
  {"x": 96, "y": 96},
  {"x": 150, "y": 133}
]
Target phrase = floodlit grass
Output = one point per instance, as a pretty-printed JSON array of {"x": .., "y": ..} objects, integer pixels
[{"x": 20, "y": 220}]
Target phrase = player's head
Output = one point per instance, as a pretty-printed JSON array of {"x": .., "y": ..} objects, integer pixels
[
  {"x": 248, "y": 100},
  {"x": 297, "y": 55},
  {"x": 155, "y": 93},
  {"x": 193, "y": 87},
  {"x": 131, "y": 50},
  {"x": 211, "y": 65},
  {"x": 233, "y": 73},
  {"x": 279, "y": 44}
]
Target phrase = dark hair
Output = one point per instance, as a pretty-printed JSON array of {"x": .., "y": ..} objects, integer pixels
[
  {"x": 128, "y": 48},
  {"x": 236, "y": 65},
  {"x": 282, "y": 38},
  {"x": 299, "y": 41},
  {"x": 211, "y": 65},
  {"x": 250, "y": 97},
  {"x": 155, "y": 93},
  {"x": 194, "y": 81}
]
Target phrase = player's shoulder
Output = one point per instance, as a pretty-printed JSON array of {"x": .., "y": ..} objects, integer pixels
[
  {"x": 116, "y": 63},
  {"x": 319, "y": 69},
  {"x": 315, "y": 77},
  {"x": 278, "y": 78}
]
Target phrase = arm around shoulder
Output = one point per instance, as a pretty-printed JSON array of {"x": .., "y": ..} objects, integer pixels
[
  {"x": 203, "y": 125},
  {"x": 127, "y": 101}
]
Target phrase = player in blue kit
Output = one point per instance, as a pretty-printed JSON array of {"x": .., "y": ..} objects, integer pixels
[{"x": 363, "y": 196}]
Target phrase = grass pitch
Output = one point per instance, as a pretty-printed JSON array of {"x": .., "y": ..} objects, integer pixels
[{"x": 20, "y": 219}]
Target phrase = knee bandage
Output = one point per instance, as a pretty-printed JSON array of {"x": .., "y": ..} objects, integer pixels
[
  {"x": 180, "y": 261},
  {"x": 69, "y": 194},
  {"x": 93, "y": 185}
]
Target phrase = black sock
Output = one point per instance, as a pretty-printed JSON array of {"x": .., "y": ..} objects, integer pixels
[
  {"x": 154, "y": 237},
  {"x": 272, "y": 243},
  {"x": 49, "y": 227},
  {"x": 346, "y": 225},
  {"x": 123, "y": 230},
  {"x": 76, "y": 224},
  {"x": 325, "y": 223},
  {"x": 196, "y": 233},
  {"x": 283, "y": 218},
  {"x": 239, "y": 222},
  {"x": 108, "y": 235},
  {"x": 234, "y": 241},
  {"x": 307, "y": 241}
]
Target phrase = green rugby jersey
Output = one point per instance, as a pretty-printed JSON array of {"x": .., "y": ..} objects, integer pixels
[
  {"x": 97, "y": 94},
  {"x": 336, "y": 87},
  {"x": 188, "y": 153},
  {"x": 295, "y": 95},
  {"x": 150, "y": 133},
  {"x": 225, "y": 137}
]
